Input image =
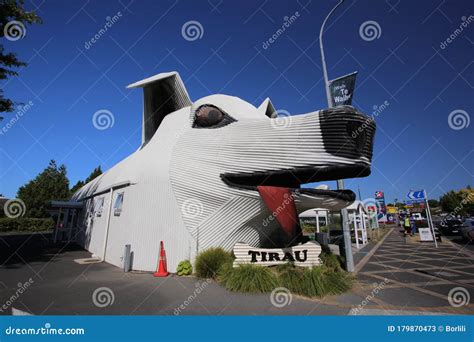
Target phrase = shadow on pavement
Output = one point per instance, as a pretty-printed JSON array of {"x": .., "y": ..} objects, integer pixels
[{"x": 18, "y": 249}]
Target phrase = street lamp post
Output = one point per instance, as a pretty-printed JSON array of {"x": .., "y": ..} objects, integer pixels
[
  {"x": 340, "y": 182},
  {"x": 323, "y": 59}
]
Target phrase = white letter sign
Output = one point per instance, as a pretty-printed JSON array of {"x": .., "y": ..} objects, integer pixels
[{"x": 305, "y": 255}]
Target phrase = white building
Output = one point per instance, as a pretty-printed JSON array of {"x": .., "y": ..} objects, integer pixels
[{"x": 193, "y": 181}]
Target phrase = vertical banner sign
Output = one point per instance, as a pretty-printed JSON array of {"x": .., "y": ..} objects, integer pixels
[
  {"x": 342, "y": 89},
  {"x": 380, "y": 201}
]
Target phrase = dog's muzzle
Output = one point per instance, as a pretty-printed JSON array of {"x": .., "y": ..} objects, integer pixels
[
  {"x": 335, "y": 143},
  {"x": 347, "y": 133},
  {"x": 347, "y": 141}
]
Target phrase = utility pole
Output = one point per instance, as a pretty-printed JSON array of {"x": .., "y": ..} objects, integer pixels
[{"x": 340, "y": 183}]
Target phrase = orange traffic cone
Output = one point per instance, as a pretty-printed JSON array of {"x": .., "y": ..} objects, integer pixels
[{"x": 162, "y": 270}]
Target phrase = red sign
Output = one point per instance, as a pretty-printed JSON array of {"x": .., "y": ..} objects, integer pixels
[{"x": 378, "y": 194}]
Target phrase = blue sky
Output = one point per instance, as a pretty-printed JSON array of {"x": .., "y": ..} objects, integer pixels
[{"x": 406, "y": 67}]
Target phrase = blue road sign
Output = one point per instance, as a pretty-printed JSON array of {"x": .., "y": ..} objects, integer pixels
[{"x": 416, "y": 195}]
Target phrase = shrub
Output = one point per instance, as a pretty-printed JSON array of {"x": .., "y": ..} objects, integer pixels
[
  {"x": 308, "y": 228},
  {"x": 210, "y": 261},
  {"x": 331, "y": 261},
  {"x": 184, "y": 268},
  {"x": 225, "y": 271},
  {"x": 23, "y": 224},
  {"x": 309, "y": 282},
  {"x": 314, "y": 284},
  {"x": 248, "y": 278},
  {"x": 338, "y": 282},
  {"x": 291, "y": 277},
  {"x": 318, "y": 281}
]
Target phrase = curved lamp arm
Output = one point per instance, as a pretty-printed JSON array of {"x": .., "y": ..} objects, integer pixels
[{"x": 325, "y": 72}]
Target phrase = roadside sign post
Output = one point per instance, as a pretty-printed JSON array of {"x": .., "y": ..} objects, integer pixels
[
  {"x": 430, "y": 220},
  {"x": 317, "y": 221},
  {"x": 421, "y": 197}
]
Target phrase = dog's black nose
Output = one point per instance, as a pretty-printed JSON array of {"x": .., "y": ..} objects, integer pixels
[
  {"x": 355, "y": 131},
  {"x": 347, "y": 133}
]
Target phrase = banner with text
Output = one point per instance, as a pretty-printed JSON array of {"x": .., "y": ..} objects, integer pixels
[{"x": 342, "y": 89}]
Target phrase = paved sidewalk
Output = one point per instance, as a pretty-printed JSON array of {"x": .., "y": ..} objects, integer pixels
[{"x": 417, "y": 276}]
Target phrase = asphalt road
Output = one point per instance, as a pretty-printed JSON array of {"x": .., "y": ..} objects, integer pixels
[{"x": 459, "y": 241}]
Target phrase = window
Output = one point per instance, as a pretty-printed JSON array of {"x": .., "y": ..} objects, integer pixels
[
  {"x": 98, "y": 207},
  {"x": 118, "y": 204}
]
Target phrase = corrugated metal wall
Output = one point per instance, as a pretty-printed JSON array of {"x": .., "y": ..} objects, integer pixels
[
  {"x": 149, "y": 211},
  {"x": 176, "y": 193}
]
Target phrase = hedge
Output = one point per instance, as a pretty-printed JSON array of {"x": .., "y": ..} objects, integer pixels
[
  {"x": 209, "y": 262},
  {"x": 23, "y": 224}
]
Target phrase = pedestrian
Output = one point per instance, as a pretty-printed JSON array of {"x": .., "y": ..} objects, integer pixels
[
  {"x": 407, "y": 224},
  {"x": 413, "y": 226}
]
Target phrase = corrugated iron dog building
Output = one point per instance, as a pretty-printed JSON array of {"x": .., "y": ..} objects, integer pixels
[{"x": 196, "y": 180}]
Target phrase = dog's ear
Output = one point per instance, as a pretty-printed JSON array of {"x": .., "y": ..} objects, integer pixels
[
  {"x": 163, "y": 94},
  {"x": 268, "y": 109}
]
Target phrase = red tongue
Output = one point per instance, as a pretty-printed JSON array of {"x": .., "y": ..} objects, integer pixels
[{"x": 281, "y": 203}]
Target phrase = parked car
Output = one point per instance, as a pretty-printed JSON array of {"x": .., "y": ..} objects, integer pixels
[
  {"x": 451, "y": 226},
  {"x": 417, "y": 217},
  {"x": 467, "y": 231}
]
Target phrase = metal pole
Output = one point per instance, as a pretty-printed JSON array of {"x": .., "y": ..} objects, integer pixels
[
  {"x": 356, "y": 233},
  {"x": 127, "y": 258},
  {"x": 363, "y": 226},
  {"x": 323, "y": 59},
  {"x": 429, "y": 219},
  {"x": 317, "y": 221},
  {"x": 340, "y": 182}
]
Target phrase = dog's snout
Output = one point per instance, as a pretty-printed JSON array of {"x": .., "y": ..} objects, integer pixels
[
  {"x": 353, "y": 130},
  {"x": 347, "y": 133}
]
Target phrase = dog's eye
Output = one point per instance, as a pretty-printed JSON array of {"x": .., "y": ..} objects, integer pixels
[{"x": 208, "y": 116}]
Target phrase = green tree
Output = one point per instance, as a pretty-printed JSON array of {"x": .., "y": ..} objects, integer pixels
[
  {"x": 12, "y": 11},
  {"x": 76, "y": 187},
  {"x": 458, "y": 202},
  {"x": 449, "y": 201},
  {"x": 433, "y": 203},
  {"x": 467, "y": 196},
  {"x": 50, "y": 184},
  {"x": 94, "y": 174}
]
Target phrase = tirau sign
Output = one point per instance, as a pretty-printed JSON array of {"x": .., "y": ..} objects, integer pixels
[{"x": 305, "y": 255}]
